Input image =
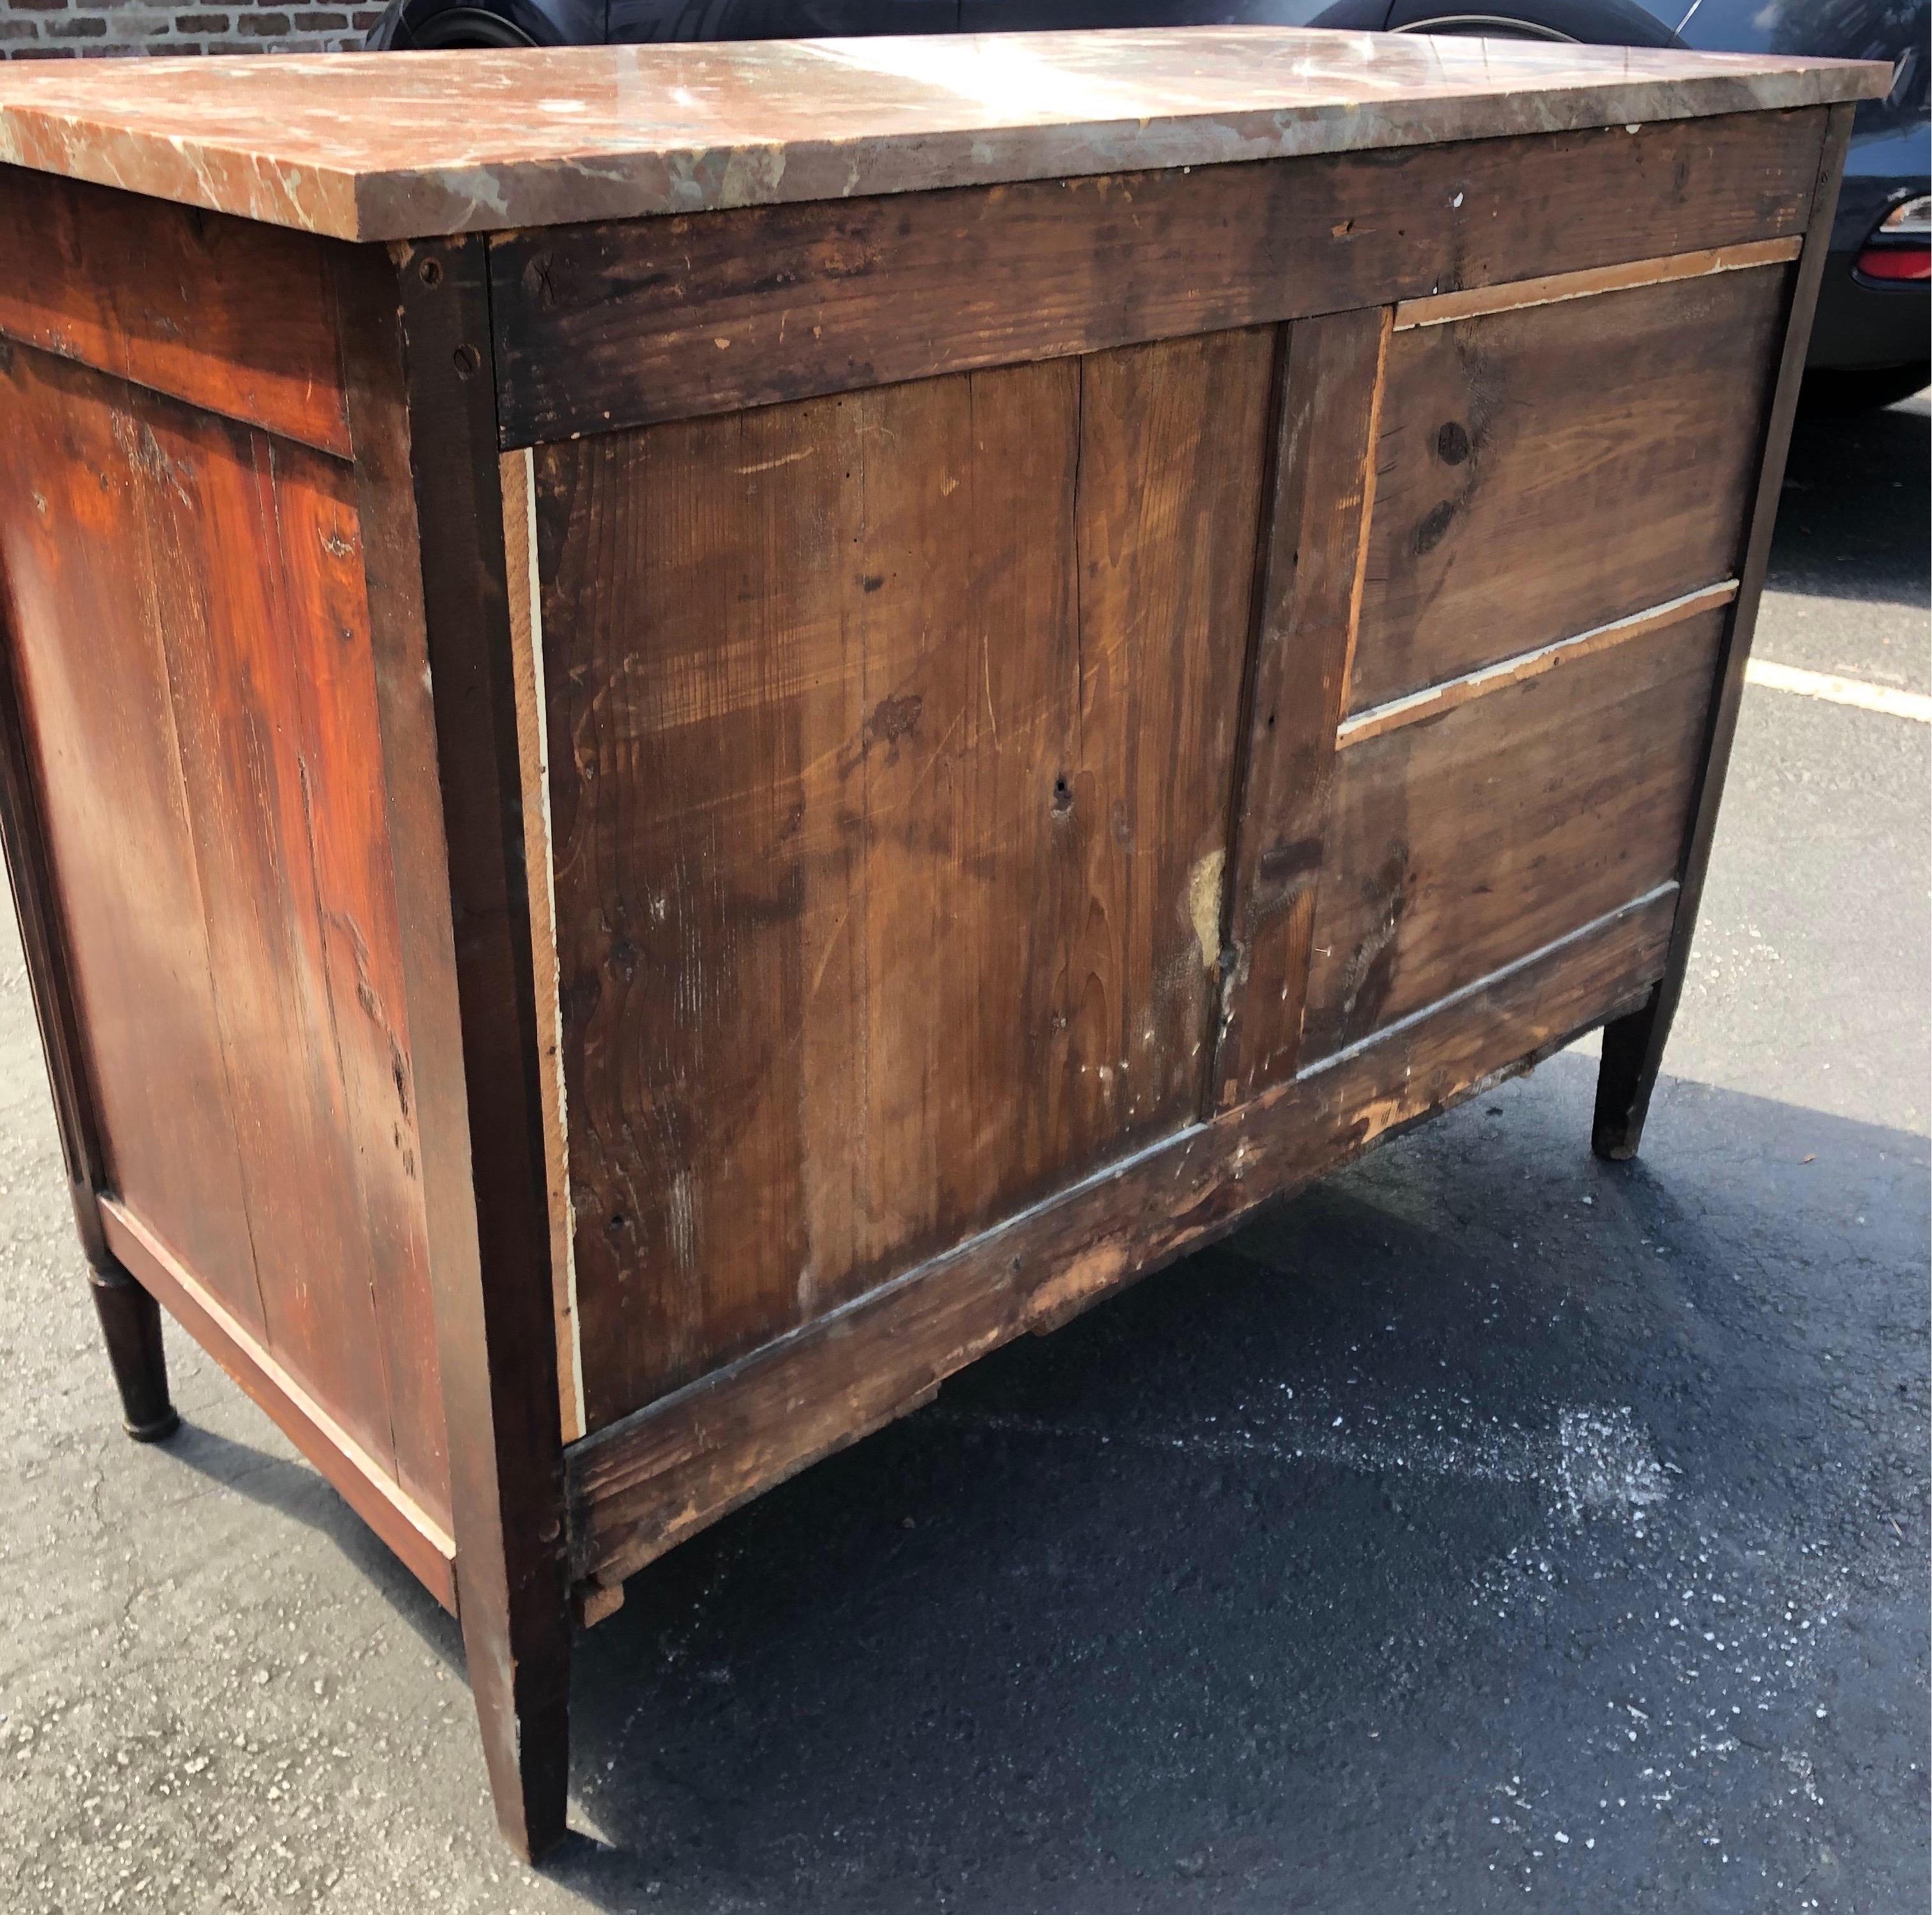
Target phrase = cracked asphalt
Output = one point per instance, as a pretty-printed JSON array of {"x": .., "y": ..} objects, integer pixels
[{"x": 1490, "y": 1528}]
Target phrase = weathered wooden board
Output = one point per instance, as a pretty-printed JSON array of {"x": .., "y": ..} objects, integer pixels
[
  {"x": 1309, "y": 596},
  {"x": 101, "y": 724},
  {"x": 892, "y": 738},
  {"x": 218, "y": 835},
  {"x": 646, "y": 1485},
  {"x": 608, "y": 326},
  {"x": 1547, "y": 470},
  {"x": 229, "y": 315},
  {"x": 1457, "y": 844}
]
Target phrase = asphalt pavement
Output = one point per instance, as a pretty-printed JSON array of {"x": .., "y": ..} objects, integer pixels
[{"x": 1491, "y": 1528}]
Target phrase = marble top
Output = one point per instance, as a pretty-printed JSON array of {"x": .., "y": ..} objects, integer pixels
[{"x": 405, "y": 145}]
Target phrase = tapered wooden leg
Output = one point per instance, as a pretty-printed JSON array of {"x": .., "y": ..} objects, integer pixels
[
  {"x": 520, "y": 1674},
  {"x": 1633, "y": 1050},
  {"x": 477, "y": 1053},
  {"x": 130, "y": 1321}
]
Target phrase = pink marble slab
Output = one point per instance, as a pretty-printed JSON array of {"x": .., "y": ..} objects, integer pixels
[{"x": 403, "y": 145}]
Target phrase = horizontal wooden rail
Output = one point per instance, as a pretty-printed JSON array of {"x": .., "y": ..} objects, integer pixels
[
  {"x": 1432, "y": 700},
  {"x": 1443, "y": 308},
  {"x": 600, "y": 327},
  {"x": 427, "y": 1551}
]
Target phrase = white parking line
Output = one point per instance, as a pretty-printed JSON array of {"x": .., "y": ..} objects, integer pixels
[{"x": 1886, "y": 698}]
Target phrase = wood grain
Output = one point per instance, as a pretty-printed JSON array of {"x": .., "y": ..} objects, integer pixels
[
  {"x": 233, "y": 638},
  {"x": 1456, "y": 844},
  {"x": 100, "y": 725},
  {"x": 221, "y": 312},
  {"x": 1309, "y": 600},
  {"x": 220, "y": 853},
  {"x": 627, "y": 323},
  {"x": 644, "y": 1485},
  {"x": 891, "y": 741},
  {"x": 1523, "y": 499}
]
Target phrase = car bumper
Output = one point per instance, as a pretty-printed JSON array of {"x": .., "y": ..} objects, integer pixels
[
  {"x": 1860, "y": 327},
  {"x": 1863, "y": 326}
]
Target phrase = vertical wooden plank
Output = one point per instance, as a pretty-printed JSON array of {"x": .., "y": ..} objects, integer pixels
[
  {"x": 1308, "y": 603},
  {"x": 229, "y": 630},
  {"x": 890, "y": 736},
  {"x": 1174, "y": 446},
  {"x": 113, "y": 818},
  {"x": 37, "y": 912},
  {"x": 451, "y": 754},
  {"x": 1633, "y": 1046},
  {"x": 331, "y": 685}
]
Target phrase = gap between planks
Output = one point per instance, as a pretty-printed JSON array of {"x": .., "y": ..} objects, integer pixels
[
  {"x": 1433, "y": 699},
  {"x": 516, "y": 473},
  {"x": 1479, "y": 302}
]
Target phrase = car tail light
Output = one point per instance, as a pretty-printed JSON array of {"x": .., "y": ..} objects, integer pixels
[
  {"x": 1901, "y": 251},
  {"x": 1895, "y": 263},
  {"x": 1910, "y": 219}
]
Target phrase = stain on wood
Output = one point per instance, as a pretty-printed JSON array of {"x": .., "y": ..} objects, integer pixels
[
  {"x": 603, "y": 326},
  {"x": 890, "y": 734},
  {"x": 1522, "y": 500}
]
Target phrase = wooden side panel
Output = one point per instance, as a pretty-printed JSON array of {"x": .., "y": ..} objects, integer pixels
[
  {"x": 100, "y": 725},
  {"x": 608, "y": 326},
  {"x": 228, "y": 314},
  {"x": 891, "y": 743},
  {"x": 213, "y": 793},
  {"x": 1459, "y": 843},
  {"x": 1310, "y": 595},
  {"x": 1547, "y": 470}
]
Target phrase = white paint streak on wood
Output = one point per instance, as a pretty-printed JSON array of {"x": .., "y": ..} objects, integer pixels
[{"x": 1204, "y": 904}]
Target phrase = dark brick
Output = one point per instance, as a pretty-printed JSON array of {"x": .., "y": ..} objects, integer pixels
[
  {"x": 320, "y": 22},
  {"x": 84, "y": 27},
  {"x": 201, "y": 23},
  {"x": 16, "y": 29},
  {"x": 363, "y": 21},
  {"x": 38, "y": 7},
  {"x": 262, "y": 25}
]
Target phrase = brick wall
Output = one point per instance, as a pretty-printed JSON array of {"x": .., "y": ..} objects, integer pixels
[{"x": 68, "y": 29}]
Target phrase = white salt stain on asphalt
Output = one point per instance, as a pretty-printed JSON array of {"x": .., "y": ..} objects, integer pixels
[
  {"x": 1728, "y": 1648},
  {"x": 1585, "y": 1460}
]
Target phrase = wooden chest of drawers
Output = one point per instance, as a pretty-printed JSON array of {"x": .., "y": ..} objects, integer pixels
[{"x": 667, "y": 771}]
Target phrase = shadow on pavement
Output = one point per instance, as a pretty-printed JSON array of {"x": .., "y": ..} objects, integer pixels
[
  {"x": 1858, "y": 495},
  {"x": 1488, "y": 1518}
]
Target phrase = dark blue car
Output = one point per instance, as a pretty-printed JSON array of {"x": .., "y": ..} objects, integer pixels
[{"x": 1870, "y": 344}]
